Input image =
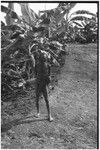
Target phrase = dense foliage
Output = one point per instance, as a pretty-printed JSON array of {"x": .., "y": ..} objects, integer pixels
[{"x": 49, "y": 32}]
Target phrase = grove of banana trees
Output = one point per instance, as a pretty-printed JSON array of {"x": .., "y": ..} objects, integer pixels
[{"x": 49, "y": 32}]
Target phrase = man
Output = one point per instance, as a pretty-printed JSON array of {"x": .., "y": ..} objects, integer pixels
[{"x": 42, "y": 73}]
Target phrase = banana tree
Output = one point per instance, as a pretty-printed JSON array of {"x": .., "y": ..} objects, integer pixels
[
  {"x": 16, "y": 53},
  {"x": 82, "y": 20},
  {"x": 55, "y": 17},
  {"x": 76, "y": 21}
]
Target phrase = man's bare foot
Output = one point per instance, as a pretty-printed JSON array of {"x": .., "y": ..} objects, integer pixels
[
  {"x": 50, "y": 118},
  {"x": 37, "y": 115}
]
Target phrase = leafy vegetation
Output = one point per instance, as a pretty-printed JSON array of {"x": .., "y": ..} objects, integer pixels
[{"x": 49, "y": 32}]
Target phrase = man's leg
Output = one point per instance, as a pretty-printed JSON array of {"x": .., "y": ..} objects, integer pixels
[
  {"x": 37, "y": 100},
  {"x": 45, "y": 94}
]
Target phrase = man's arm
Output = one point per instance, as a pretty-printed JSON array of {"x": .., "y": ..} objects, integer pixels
[
  {"x": 32, "y": 56},
  {"x": 33, "y": 60}
]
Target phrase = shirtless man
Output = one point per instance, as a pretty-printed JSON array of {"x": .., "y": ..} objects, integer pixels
[{"x": 42, "y": 73}]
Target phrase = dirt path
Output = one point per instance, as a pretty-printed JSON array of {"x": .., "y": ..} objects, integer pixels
[{"x": 74, "y": 109}]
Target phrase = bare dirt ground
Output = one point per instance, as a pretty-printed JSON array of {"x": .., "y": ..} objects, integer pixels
[{"x": 73, "y": 103}]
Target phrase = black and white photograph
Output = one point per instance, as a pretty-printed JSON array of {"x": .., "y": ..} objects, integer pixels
[{"x": 49, "y": 74}]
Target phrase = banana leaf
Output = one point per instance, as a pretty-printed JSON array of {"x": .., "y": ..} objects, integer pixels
[
  {"x": 68, "y": 6},
  {"x": 2, "y": 24},
  {"x": 9, "y": 12},
  {"x": 56, "y": 43},
  {"x": 28, "y": 14},
  {"x": 81, "y": 18},
  {"x": 78, "y": 24},
  {"x": 61, "y": 30},
  {"x": 45, "y": 21},
  {"x": 13, "y": 27},
  {"x": 84, "y": 12},
  {"x": 60, "y": 17}
]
